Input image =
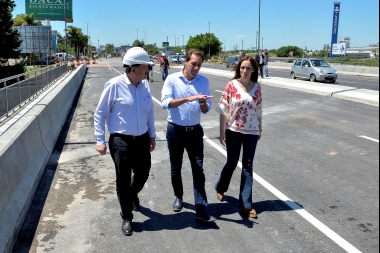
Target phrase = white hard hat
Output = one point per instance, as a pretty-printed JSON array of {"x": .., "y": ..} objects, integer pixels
[
  {"x": 163, "y": 54},
  {"x": 136, "y": 55}
]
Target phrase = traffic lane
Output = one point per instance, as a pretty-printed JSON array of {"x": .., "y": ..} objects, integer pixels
[
  {"x": 316, "y": 139},
  {"x": 313, "y": 100},
  {"x": 80, "y": 212},
  {"x": 273, "y": 205},
  {"x": 158, "y": 89},
  {"x": 362, "y": 82},
  {"x": 314, "y": 121}
]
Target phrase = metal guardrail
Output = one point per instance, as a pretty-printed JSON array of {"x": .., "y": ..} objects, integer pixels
[{"x": 17, "y": 91}]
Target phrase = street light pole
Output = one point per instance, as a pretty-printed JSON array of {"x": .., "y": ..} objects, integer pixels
[
  {"x": 87, "y": 40},
  {"x": 175, "y": 42},
  {"x": 183, "y": 41},
  {"x": 209, "y": 54},
  {"x": 137, "y": 33},
  {"x": 242, "y": 43},
  {"x": 259, "y": 26},
  {"x": 256, "y": 39},
  {"x": 145, "y": 36},
  {"x": 64, "y": 7}
]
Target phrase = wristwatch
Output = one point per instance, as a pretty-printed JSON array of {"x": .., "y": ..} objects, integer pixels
[{"x": 202, "y": 103}]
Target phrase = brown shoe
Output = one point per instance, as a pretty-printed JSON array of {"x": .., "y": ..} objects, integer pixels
[
  {"x": 219, "y": 196},
  {"x": 251, "y": 213}
]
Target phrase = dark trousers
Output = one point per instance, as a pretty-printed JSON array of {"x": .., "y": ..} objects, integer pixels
[
  {"x": 130, "y": 154},
  {"x": 234, "y": 142},
  {"x": 178, "y": 140},
  {"x": 261, "y": 73}
]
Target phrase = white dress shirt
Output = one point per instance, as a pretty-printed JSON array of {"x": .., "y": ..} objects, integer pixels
[
  {"x": 125, "y": 108},
  {"x": 176, "y": 86}
]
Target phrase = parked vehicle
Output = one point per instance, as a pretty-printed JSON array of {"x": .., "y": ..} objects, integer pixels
[
  {"x": 51, "y": 60},
  {"x": 60, "y": 56},
  {"x": 313, "y": 69},
  {"x": 232, "y": 61}
]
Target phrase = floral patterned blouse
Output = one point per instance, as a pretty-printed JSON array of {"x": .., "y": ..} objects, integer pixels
[{"x": 241, "y": 108}]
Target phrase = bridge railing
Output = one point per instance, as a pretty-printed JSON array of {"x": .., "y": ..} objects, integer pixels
[{"x": 17, "y": 91}]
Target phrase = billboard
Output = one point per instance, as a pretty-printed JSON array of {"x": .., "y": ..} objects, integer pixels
[
  {"x": 50, "y": 9},
  {"x": 165, "y": 44},
  {"x": 335, "y": 25},
  {"x": 339, "y": 49}
]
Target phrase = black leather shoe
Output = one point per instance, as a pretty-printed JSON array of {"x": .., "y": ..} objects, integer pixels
[
  {"x": 204, "y": 216},
  {"x": 126, "y": 227},
  {"x": 177, "y": 205},
  {"x": 136, "y": 204}
]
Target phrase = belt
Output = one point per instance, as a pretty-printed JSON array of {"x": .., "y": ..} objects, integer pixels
[
  {"x": 184, "y": 128},
  {"x": 128, "y": 136}
]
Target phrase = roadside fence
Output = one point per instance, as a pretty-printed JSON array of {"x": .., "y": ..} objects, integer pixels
[{"x": 17, "y": 91}]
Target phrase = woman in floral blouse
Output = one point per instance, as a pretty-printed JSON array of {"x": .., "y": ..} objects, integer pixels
[{"x": 240, "y": 109}]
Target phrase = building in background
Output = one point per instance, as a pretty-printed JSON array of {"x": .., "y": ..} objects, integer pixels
[{"x": 37, "y": 40}]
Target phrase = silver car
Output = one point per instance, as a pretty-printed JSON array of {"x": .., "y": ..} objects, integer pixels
[
  {"x": 232, "y": 61},
  {"x": 313, "y": 69}
]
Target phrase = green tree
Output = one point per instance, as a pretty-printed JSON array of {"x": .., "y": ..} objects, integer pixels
[
  {"x": 284, "y": 51},
  {"x": 76, "y": 39},
  {"x": 152, "y": 49},
  {"x": 26, "y": 20},
  {"x": 10, "y": 38},
  {"x": 109, "y": 48},
  {"x": 138, "y": 43},
  {"x": 203, "y": 41}
]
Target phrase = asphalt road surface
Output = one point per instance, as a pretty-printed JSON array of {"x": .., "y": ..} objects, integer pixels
[
  {"x": 316, "y": 186},
  {"x": 361, "y": 82}
]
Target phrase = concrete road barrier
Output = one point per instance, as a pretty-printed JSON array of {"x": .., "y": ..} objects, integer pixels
[{"x": 25, "y": 149}]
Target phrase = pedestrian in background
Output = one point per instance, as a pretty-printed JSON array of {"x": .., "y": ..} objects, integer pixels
[
  {"x": 240, "y": 109},
  {"x": 126, "y": 106},
  {"x": 242, "y": 54},
  {"x": 149, "y": 75},
  {"x": 266, "y": 58},
  {"x": 164, "y": 66},
  {"x": 260, "y": 62},
  {"x": 186, "y": 95}
]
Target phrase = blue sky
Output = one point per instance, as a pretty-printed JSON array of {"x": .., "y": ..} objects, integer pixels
[{"x": 303, "y": 23}]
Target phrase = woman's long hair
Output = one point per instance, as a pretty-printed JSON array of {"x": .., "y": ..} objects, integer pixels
[{"x": 255, "y": 73}]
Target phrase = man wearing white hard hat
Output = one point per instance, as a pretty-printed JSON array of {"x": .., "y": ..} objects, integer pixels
[
  {"x": 126, "y": 106},
  {"x": 164, "y": 66}
]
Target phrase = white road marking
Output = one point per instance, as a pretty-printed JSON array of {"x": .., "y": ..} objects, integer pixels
[
  {"x": 307, "y": 216},
  {"x": 368, "y": 138}
]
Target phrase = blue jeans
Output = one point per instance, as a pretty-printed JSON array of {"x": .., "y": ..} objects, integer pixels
[
  {"x": 234, "y": 142},
  {"x": 192, "y": 141},
  {"x": 164, "y": 73},
  {"x": 266, "y": 68}
]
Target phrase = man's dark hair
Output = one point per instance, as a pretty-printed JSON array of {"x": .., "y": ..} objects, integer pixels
[
  {"x": 196, "y": 52},
  {"x": 128, "y": 68}
]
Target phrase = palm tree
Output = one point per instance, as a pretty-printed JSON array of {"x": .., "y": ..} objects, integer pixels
[
  {"x": 26, "y": 20},
  {"x": 76, "y": 38}
]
